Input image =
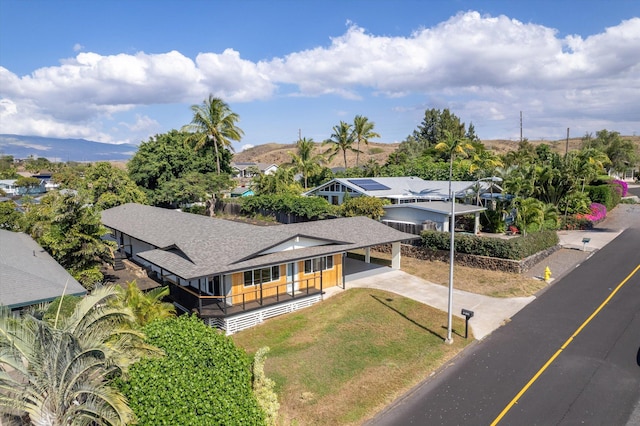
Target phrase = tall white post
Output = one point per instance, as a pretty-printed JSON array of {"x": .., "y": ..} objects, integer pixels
[{"x": 452, "y": 229}]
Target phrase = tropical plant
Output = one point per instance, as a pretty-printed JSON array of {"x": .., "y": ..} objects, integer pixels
[
  {"x": 341, "y": 140},
  {"x": 59, "y": 370},
  {"x": 147, "y": 306},
  {"x": 362, "y": 132},
  {"x": 530, "y": 214},
  {"x": 204, "y": 379},
  {"x": 71, "y": 231},
  {"x": 363, "y": 206},
  {"x": 452, "y": 147},
  {"x": 9, "y": 217},
  {"x": 213, "y": 124},
  {"x": 304, "y": 161},
  {"x": 55, "y": 377}
]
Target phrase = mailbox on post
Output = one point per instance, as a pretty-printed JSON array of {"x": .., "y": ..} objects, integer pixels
[
  {"x": 467, "y": 314},
  {"x": 585, "y": 241}
]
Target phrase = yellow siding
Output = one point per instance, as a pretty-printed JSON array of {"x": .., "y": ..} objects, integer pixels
[{"x": 330, "y": 278}]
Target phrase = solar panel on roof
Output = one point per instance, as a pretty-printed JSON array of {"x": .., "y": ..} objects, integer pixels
[{"x": 369, "y": 184}]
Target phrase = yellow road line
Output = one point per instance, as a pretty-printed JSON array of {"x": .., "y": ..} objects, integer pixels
[{"x": 564, "y": 346}]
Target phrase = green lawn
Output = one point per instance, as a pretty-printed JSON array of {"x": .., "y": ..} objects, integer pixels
[{"x": 341, "y": 361}]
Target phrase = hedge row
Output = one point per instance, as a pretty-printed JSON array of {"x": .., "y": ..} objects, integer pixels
[
  {"x": 514, "y": 248},
  {"x": 308, "y": 207},
  {"x": 607, "y": 194}
]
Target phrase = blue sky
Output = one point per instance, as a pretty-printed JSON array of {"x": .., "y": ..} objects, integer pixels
[{"x": 122, "y": 71}]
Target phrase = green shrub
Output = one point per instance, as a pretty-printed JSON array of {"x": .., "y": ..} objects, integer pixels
[
  {"x": 513, "y": 248},
  {"x": 307, "y": 207},
  {"x": 604, "y": 194},
  {"x": 363, "y": 206},
  {"x": 204, "y": 379}
]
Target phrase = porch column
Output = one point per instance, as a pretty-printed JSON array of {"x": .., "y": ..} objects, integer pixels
[
  {"x": 476, "y": 225},
  {"x": 367, "y": 255},
  {"x": 395, "y": 255}
]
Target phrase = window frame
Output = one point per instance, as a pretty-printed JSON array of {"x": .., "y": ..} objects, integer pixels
[{"x": 258, "y": 275}]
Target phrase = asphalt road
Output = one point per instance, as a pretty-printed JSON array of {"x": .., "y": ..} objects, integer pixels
[{"x": 592, "y": 378}]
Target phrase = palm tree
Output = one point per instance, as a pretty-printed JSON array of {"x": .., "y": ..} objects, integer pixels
[
  {"x": 342, "y": 139},
  {"x": 147, "y": 306},
  {"x": 362, "y": 132},
  {"x": 453, "y": 146},
  {"x": 59, "y": 371},
  {"x": 56, "y": 377},
  {"x": 213, "y": 124},
  {"x": 303, "y": 160},
  {"x": 530, "y": 213}
]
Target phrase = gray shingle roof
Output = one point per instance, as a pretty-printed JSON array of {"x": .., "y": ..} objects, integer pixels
[
  {"x": 28, "y": 274},
  {"x": 193, "y": 246}
]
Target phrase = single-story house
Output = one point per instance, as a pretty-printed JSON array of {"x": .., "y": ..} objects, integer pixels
[
  {"x": 246, "y": 170},
  {"x": 435, "y": 215},
  {"x": 29, "y": 275},
  {"x": 234, "y": 275},
  {"x": 405, "y": 189}
]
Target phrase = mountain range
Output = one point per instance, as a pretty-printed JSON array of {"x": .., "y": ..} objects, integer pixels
[{"x": 64, "y": 149}]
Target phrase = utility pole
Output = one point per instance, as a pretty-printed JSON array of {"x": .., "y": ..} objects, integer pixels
[
  {"x": 520, "y": 126},
  {"x": 299, "y": 134},
  {"x": 452, "y": 229},
  {"x": 566, "y": 150}
]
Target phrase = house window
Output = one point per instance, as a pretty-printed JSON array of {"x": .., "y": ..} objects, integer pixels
[
  {"x": 318, "y": 264},
  {"x": 261, "y": 276}
]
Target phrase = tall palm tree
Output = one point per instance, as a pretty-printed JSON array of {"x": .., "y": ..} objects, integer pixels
[
  {"x": 59, "y": 371},
  {"x": 453, "y": 146},
  {"x": 341, "y": 139},
  {"x": 362, "y": 132},
  {"x": 213, "y": 124},
  {"x": 303, "y": 160}
]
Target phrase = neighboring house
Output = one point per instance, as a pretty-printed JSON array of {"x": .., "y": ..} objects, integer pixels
[
  {"x": 400, "y": 190},
  {"x": 47, "y": 177},
  {"x": 434, "y": 215},
  {"x": 241, "y": 191},
  {"x": 234, "y": 275},
  {"x": 29, "y": 275},
  {"x": 247, "y": 170},
  {"x": 10, "y": 188}
]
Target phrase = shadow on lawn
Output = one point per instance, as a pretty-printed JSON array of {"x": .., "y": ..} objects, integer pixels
[{"x": 385, "y": 302}]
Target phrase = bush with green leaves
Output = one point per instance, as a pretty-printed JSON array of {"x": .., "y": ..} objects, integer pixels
[
  {"x": 604, "y": 194},
  {"x": 363, "y": 206},
  {"x": 307, "y": 207},
  {"x": 203, "y": 379},
  {"x": 514, "y": 248}
]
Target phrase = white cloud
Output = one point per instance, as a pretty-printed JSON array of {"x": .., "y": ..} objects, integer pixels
[
  {"x": 78, "y": 47},
  {"x": 246, "y": 146},
  {"x": 487, "y": 67}
]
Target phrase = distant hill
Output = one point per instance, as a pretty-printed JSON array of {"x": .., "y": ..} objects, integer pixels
[
  {"x": 274, "y": 153},
  {"x": 64, "y": 149}
]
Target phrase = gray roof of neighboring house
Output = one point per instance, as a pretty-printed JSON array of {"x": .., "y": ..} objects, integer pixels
[
  {"x": 29, "y": 275},
  {"x": 409, "y": 187},
  {"x": 193, "y": 246}
]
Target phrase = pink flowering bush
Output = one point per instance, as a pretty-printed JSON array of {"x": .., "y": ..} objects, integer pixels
[
  {"x": 621, "y": 186},
  {"x": 586, "y": 221},
  {"x": 597, "y": 214}
]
